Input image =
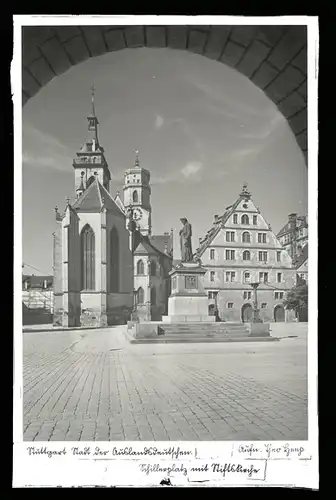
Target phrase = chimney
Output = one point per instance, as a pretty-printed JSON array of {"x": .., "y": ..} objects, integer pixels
[
  {"x": 199, "y": 240},
  {"x": 216, "y": 218},
  {"x": 292, "y": 221}
]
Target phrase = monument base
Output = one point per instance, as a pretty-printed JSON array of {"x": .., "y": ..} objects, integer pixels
[{"x": 188, "y": 301}]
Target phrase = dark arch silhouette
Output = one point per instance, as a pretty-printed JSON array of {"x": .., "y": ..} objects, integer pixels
[
  {"x": 88, "y": 256},
  {"x": 263, "y": 54},
  {"x": 135, "y": 197}
]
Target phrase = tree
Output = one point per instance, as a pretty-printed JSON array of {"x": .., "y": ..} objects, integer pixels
[{"x": 297, "y": 299}]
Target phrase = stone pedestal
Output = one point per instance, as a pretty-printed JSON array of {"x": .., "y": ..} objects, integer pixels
[{"x": 188, "y": 301}]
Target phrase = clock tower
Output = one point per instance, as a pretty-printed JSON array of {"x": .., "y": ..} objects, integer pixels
[{"x": 137, "y": 193}]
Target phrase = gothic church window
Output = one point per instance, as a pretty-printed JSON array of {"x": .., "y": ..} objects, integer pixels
[
  {"x": 114, "y": 260},
  {"x": 87, "y": 258},
  {"x": 135, "y": 196},
  {"x": 140, "y": 267},
  {"x": 140, "y": 296}
]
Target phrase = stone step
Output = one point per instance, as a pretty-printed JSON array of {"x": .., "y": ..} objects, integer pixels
[
  {"x": 162, "y": 339},
  {"x": 206, "y": 327},
  {"x": 202, "y": 331},
  {"x": 207, "y": 336},
  {"x": 210, "y": 331}
]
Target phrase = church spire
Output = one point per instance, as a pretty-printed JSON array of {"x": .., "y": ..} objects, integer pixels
[
  {"x": 90, "y": 161},
  {"x": 93, "y": 89},
  {"x": 93, "y": 123}
]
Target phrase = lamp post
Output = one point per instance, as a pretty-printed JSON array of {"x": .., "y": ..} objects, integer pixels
[{"x": 255, "y": 314}]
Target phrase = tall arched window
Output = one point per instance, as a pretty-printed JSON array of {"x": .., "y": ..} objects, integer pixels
[
  {"x": 140, "y": 267},
  {"x": 135, "y": 196},
  {"x": 153, "y": 268},
  {"x": 141, "y": 296},
  {"x": 153, "y": 296},
  {"x": 87, "y": 258},
  {"x": 90, "y": 181},
  {"x": 114, "y": 260},
  {"x": 246, "y": 237},
  {"x": 246, "y": 255},
  {"x": 245, "y": 219}
]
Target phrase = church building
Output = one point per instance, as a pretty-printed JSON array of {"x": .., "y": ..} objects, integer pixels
[
  {"x": 108, "y": 267},
  {"x": 241, "y": 249}
]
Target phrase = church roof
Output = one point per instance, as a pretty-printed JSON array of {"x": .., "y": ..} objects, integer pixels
[
  {"x": 302, "y": 258},
  {"x": 94, "y": 198},
  {"x": 147, "y": 247},
  {"x": 163, "y": 243}
]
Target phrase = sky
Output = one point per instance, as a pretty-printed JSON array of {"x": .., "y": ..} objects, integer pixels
[{"x": 202, "y": 130}]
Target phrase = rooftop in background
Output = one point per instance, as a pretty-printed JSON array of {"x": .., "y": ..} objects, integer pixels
[{"x": 294, "y": 222}]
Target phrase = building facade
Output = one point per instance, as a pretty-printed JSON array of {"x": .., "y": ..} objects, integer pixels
[
  {"x": 293, "y": 236},
  {"x": 98, "y": 241},
  {"x": 240, "y": 249}
]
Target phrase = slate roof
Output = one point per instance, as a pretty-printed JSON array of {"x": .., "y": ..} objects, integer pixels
[
  {"x": 146, "y": 247},
  {"x": 94, "y": 198},
  {"x": 161, "y": 242}
]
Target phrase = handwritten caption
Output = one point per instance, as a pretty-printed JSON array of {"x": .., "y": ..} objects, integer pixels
[
  {"x": 97, "y": 452},
  {"x": 239, "y": 462}
]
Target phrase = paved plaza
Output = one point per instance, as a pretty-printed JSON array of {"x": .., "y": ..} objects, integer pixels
[{"x": 94, "y": 385}]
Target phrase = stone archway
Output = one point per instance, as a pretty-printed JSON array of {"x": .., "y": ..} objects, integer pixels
[
  {"x": 273, "y": 57},
  {"x": 279, "y": 314},
  {"x": 246, "y": 313}
]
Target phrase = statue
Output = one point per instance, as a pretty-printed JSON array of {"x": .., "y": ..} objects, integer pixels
[{"x": 185, "y": 241}]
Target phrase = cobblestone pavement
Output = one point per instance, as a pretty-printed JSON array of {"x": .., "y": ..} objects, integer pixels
[{"x": 94, "y": 385}]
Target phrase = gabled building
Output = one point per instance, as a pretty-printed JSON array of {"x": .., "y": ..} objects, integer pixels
[
  {"x": 240, "y": 249},
  {"x": 293, "y": 236},
  {"x": 99, "y": 240}
]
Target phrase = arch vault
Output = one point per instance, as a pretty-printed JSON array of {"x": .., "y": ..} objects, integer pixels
[{"x": 273, "y": 57}]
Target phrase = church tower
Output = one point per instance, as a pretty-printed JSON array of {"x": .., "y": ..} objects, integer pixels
[
  {"x": 137, "y": 193},
  {"x": 91, "y": 162}
]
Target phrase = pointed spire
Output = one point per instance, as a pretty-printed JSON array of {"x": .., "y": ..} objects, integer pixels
[
  {"x": 137, "y": 163},
  {"x": 93, "y": 89}
]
